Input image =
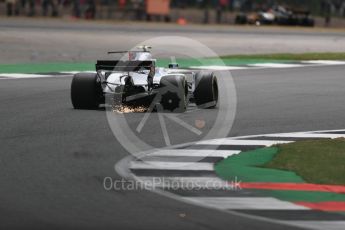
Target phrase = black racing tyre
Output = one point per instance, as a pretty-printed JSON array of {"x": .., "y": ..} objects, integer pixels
[
  {"x": 86, "y": 91},
  {"x": 173, "y": 91},
  {"x": 206, "y": 90}
]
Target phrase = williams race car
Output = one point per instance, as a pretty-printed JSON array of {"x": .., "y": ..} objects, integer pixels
[
  {"x": 277, "y": 15},
  {"x": 137, "y": 82}
]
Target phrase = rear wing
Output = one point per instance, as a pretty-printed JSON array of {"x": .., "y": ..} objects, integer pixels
[{"x": 124, "y": 66}]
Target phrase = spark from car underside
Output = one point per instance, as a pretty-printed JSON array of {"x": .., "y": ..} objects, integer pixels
[{"x": 129, "y": 109}]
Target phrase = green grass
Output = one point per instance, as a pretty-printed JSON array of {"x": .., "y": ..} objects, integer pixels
[
  {"x": 232, "y": 60},
  {"x": 45, "y": 67},
  {"x": 290, "y": 56},
  {"x": 246, "y": 166},
  {"x": 316, "y": 161},
  {"x": 255, "y": 166}
]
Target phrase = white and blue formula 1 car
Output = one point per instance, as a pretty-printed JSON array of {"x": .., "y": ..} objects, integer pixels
[{"x": 138, "y": 82}]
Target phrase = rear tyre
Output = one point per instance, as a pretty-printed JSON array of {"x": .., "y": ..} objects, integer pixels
[
  {"x": 173, "y": 92},
  {"x": 86, "y": 91},
  {"x": 206, "y": 90}
]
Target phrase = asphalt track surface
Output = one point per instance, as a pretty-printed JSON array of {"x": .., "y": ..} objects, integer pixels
[
  {"x": 49, "y": 40},
  {"x": 54, "y": 158}
]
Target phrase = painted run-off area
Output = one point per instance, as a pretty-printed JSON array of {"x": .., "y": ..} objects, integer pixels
[{"x": 259, "y": 171}]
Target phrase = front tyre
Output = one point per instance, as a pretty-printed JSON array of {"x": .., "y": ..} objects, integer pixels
[
  {"x": 206, "y": 90},
  {"x": 86, "y": 91}
]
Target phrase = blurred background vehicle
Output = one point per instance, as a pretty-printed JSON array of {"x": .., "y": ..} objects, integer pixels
[{"x": 278, "y": 15}]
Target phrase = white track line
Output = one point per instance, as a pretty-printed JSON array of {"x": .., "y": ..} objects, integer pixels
[
  {"x": 227, "y": 141},
  {"x": 186, "y": 182},
  {"x": 287, "y": 134},
  {"x": 194, "y": 153},
  {"x": 245, "y": 203},
  {"x": 216, "y": 67},
  {"x": 306, "y": 135},
  {"x": 329, "y": 131},
  {"x": 325, "y": 62},
  {"x": 277, "y": 65},
  {"x": 319, "y": 225},
  {"x": 189, "y": 166},
  {"x": 29, "y": 76},
  {"x": 19, "y": 75},
  {"x": 75, "y": 72},
  {"x": 210, "y": 67}
]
